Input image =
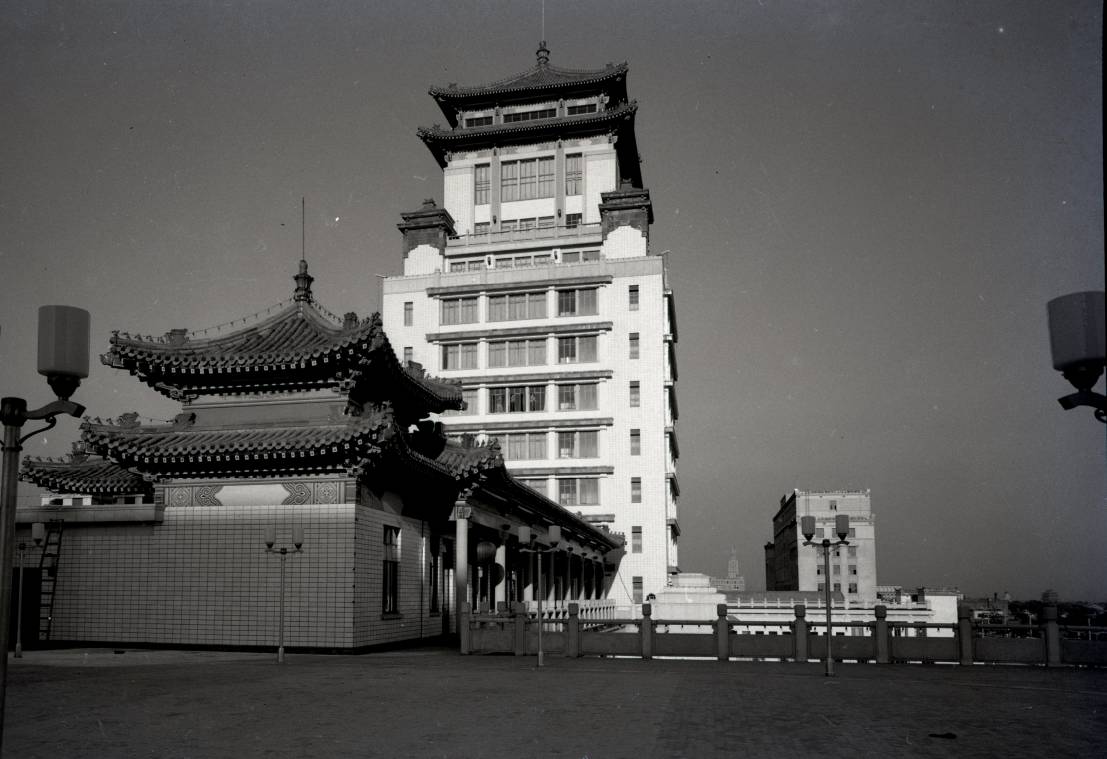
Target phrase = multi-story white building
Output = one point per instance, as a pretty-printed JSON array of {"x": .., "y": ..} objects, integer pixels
[
  {"x": 536, "y": 286},
  {"x": 789, "y": 565}
]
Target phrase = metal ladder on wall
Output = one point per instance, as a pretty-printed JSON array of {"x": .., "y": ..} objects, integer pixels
[{"x": 48, "y": 567}]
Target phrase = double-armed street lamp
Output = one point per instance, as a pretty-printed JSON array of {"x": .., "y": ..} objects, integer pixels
[
  {"x": 526, "y": 538},
  {"x": 1076, "y": 339},
  {"x": 841, "y": 527},
  {"x": 63, "y": 339},
  {"x": 38, "y": 534},
  {"x": 283, "y": 551}
]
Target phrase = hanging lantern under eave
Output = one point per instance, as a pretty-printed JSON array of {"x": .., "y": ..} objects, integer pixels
[{"x": 486, "y": 551}]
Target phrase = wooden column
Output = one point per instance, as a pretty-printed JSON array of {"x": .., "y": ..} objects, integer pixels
[{"x": 460, "y": 517}]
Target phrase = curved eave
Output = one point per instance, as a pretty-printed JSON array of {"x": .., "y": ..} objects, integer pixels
[
  {"x": 502, "y": 483},
  {"x": 101, "y": 478},
  {"x": 439, "y": 140},
  {"x": 540, "y": 81}
]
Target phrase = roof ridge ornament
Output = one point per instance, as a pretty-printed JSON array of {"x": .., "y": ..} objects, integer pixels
[
  {"x": 303, "y": 282},
  {"x": 543, "y": 54}
]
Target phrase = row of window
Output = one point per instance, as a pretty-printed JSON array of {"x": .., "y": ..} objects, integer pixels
[
  {"x": 571, "y": 444},
  {"x": 523, "y": 261},
  {"x": 579, "y": 491},
  {"x": 838, "y": 587},
  {"x": 582, "y": 396},
  {"x": 518, "y": 306},
  {"x": 527, "y": 178},
  {"x": 578, "y": 349},
  {"x": 837, "y": 569},
  {"x": 531, "y": 114}
]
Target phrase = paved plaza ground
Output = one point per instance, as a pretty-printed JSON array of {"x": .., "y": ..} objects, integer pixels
[{"x": 435, "y": 703}]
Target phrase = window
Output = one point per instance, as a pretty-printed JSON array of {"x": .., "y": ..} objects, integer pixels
[
  {"x": 838, "y": 587},
  {"x": 474, "y": 265},
  {"x": 408, "y": 354},
  {"x": 636, "y": 540},
  {"x": 576, "y": 302},
  {"x": 459, "y": 356},
  {"x": 522, "y": 446},
  {"x": 636, "y": 584},
  {"x": 391, "y": 574},
  {"x": 578, "y": 445},
  {"x": 833, "y": 505},
  {"x": 541, "y": 113},
  {"x": 837, "y": 569},
  {"x": 577, "y": 397},
  {"x": 478, "y": 121},
  {"x": 819, "y": 570},
  {"x": 481, "y": 228},
  {"x": 409, "y": 313},
  {"x": 516, "y": 399},
  {"x": 435, "y": 575},
  {"x": 503, "y": 353},
  {"x": 578, "y": 491},
  {"x": 852, "y": 532},
  {"x": 853, "y": 587},
  {"x": 469, "y": 395},
  {"x": 481, "y": 182},
  {"x": 635, "y": 393},
  {"x": 853, "y": 569},
  {"x": 576, "y": 350},
  {"x": 526, "y": 179},
  {"x": 572, "y": 220},
  {"x": 851, "y": 551},
  {"x": 822, "y": 586},
  {"x": 632, "y": 297},
  {"x": 585, "y": 108},
  {"x": 636, "y": 442},
  {"x": 634, "y": 345},
  {"x": 820, "y": 533},
  {"x": 459, "y": 310},
  {"x": 636, "y": 490},
  {"x": 516, "y": 306},
  {"x": 574, "y": 165},
  {"x": 579, "y": 256}
]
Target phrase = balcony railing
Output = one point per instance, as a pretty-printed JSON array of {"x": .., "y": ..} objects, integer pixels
[{"x": 562, "y": 232}]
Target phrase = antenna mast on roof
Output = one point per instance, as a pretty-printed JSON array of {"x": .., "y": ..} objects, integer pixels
[
  {"x": 303, "y": 228},
  {"x": 543, "y": 19}
]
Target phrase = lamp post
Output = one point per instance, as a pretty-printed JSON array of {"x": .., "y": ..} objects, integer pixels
[
  {"x": 63, "y": 333},
  {"x": 841, "y": 527},
  {"x": 38, "y": 532},
  {"x": 1076, "y": 340},
  {"x": 525, "y": 538},
  {"x": 283, "y": 551}
]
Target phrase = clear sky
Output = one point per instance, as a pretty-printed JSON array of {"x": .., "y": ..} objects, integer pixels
[{"x": 867, "y": 205}]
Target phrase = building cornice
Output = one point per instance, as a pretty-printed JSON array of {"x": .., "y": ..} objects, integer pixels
[{"x": 538, "y": 330}]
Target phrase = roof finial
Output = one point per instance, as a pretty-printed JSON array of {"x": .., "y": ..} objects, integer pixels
[
  {"x": 543, "y": 54},
  {"x": 303, "y": 282}
]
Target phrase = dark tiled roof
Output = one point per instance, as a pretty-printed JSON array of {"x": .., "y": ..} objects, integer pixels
[
  {"x": 291, "y": 337},
  {"x": 436, "y": 134},
  {"x": 87, "y": 475},
  {"x": 542, "y": 77},
  {"x": 169, "y": 450}
]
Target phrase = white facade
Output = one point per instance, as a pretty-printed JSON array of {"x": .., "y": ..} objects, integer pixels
[{"x": 562, "y": 336}]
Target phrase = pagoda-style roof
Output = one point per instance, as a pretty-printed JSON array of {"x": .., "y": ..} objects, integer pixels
[
  {"x": 87, "y": 475},
  {"x": 299, "y": 347},
  {"x": 618, "y": 119},
  {"x": 542, "y": 81},
  {"x": 185, "y": 448}
]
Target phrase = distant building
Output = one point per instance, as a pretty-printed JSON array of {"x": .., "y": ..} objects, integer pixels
[
  {"x": 734, "y": 581},
  {"x": 789, "y": 565}
]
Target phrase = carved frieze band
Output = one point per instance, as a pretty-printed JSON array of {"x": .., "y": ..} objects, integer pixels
[
  {"x": 204, "y": 495},
  {"x": 300, "y": 493}
]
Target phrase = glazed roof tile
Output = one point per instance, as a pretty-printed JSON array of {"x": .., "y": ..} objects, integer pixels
[
  {"x": 86, "y": 475},
  {"x": 128, "y": 441},
  {"x": 540, "y": 77}
]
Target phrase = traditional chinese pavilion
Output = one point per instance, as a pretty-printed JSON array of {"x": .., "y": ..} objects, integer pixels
[{"x": 306, "y": 423}]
